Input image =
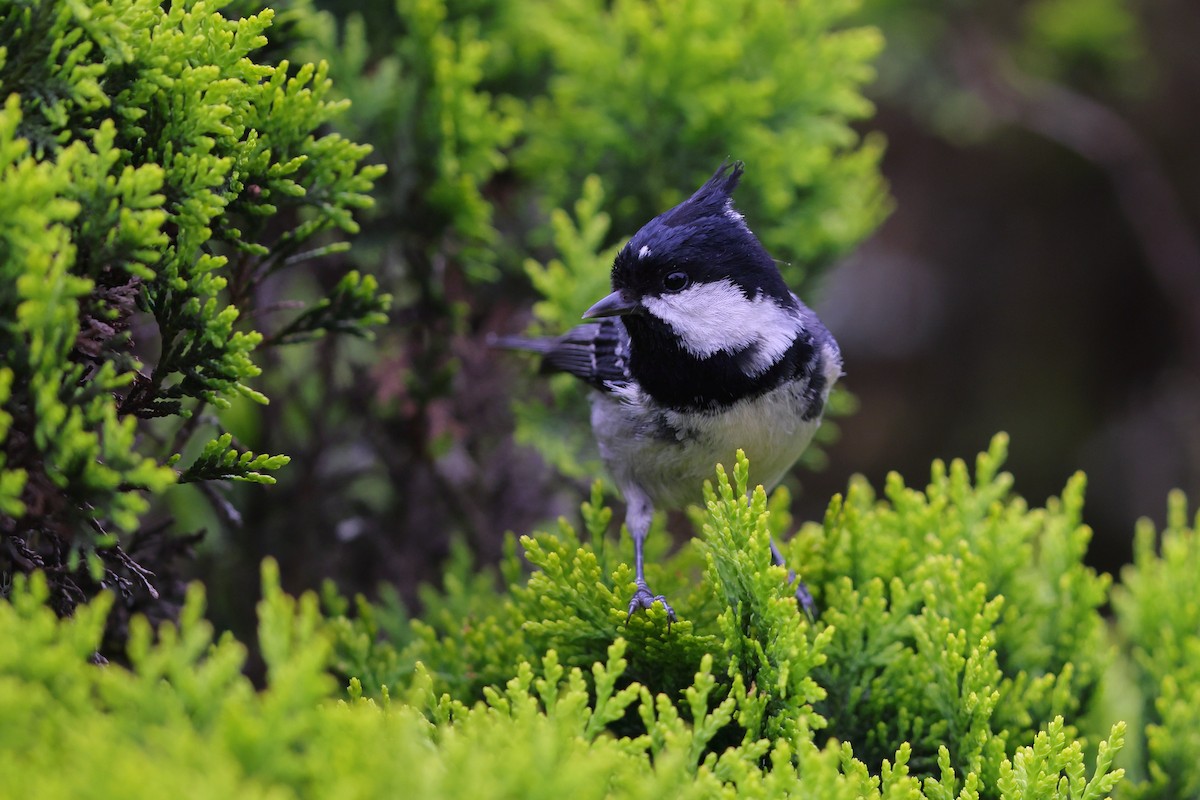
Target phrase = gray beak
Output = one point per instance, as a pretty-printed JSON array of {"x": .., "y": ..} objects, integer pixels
[{"x": 612, "y": 306}]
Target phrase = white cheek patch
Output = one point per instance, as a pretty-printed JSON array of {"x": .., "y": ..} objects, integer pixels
[{"x": 716, "y": 317}]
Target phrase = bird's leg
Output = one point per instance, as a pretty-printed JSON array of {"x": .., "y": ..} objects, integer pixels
[
  {"x": 803, "y": 596},
  {"x": 638, "y": 516}
]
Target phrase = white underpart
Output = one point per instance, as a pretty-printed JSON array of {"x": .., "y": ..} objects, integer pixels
[
  {"x": 716, "y": 317},
  {"x": 769, "y": 428},
  {"x": 645, "y": 251}
]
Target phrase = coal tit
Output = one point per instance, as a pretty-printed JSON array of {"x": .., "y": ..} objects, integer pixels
[{"x": 701, "y": 349}]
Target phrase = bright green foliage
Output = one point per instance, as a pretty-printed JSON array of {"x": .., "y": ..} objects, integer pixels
[
  {"x": 183, "y": 720},
  {"x": 1054, "y": 767},
  {"x": 12, "y": 481},
  {"x": 219, "y": 461},
  {"x": 955, "y": 625},
  {"x": 768, "y": 643},
  {"x": 580, "y": 720},
  {"x": 49, "y": 407},
  {"x": 469, "y": 636},
  {"x": 568, "y": 285},
  {"x": 578, "y": 277},
  {"x": 961, "y": 617},
  {"x": 771, "y": 83},
  {"x": 152, "y": 176},
  {"x": 1158, "y": 606}
]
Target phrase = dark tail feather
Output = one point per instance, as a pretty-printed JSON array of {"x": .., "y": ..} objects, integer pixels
[{"x": 521, "y": 343}]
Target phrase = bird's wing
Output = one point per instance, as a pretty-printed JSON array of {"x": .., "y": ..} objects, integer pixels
[{"x": 596, "y": 352}]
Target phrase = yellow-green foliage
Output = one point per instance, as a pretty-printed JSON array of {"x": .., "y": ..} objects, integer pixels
[
  {"x": 152, "y": 175},
  {"x": 646, "y": 94},
  {"x": 957, "y": 627},
  {"x": 88, "y": 450},
  {"x": 573, "y": 703},
  {"x": 1158, "y": 605},
  {"x": 959, "y": 613}
]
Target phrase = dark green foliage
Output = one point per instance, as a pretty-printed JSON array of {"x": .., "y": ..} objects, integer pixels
[
  {"x": 1096, "y": 48},
  {"x": 152, "y": 177},
  {"x": 375, "y": 433},
  {"x": 352, "y": 307},
  {"x": 415, "y": 75},
  {"x": 458, "y": 90}
]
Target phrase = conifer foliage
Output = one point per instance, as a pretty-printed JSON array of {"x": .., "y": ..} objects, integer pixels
[
  {"x": 153, "y": 176},
  {"x": 538, "y": 689},
  {"x": 161, "y": 167}
]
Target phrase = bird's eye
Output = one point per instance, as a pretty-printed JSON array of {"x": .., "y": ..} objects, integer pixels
[{"x": 676, "y": 282}]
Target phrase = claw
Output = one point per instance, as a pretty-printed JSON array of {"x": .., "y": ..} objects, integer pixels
[
  {"x": 643, "y": 599},
  {"x": 803, "y": 595},
  {"x": 805, "y": 599}
]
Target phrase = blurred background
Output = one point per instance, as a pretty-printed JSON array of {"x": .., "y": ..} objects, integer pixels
[
  {"x": 1040, "y": 272},
  {"x": 1029, "y": 263}
]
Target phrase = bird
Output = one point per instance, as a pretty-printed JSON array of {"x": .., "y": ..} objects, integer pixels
[{"x": 700, "y": 350}]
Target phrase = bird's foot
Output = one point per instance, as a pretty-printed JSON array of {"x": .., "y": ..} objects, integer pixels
[
  {"x": 803, "y": 596},
  {"x": 643, "y": 598},
  {"x": 805, "y": 599}
]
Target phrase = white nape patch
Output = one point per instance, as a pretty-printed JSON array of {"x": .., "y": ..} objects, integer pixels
[
  {"x": 833, "y": 366},
  {"x": 644, "y": 252},
  {"x": 716, "y": 317}
]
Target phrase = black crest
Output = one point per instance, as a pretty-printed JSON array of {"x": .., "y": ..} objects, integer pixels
[
  {"x": 714, "y": 198},
  {"x": 703, "y": 236}
]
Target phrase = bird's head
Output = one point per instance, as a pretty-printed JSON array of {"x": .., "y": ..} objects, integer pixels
[{"x": 698, "y": 276}]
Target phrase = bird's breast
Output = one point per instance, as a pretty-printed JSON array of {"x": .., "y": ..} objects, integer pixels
[{"x": 669, "y": 454}]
